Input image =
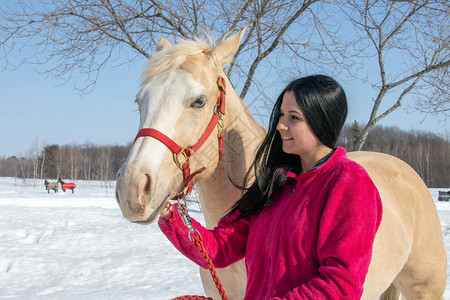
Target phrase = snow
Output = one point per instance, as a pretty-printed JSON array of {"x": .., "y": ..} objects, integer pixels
[{"x": 78, "y": 246}]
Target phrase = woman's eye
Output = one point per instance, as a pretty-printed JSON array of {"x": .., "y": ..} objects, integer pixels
[{"x": 198, "y": 103}]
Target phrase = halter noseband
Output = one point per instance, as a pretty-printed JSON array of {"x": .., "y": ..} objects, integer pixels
[{"x": 182, "y": 155}]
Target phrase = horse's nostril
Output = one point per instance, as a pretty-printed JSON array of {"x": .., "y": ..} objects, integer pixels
[
  {"x": 117, "y": 198},
  {"x": 118, "y": 174},
  {"x": 147, "y": 185}
]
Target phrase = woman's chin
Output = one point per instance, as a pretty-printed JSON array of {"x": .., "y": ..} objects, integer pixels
[{"x": 287, "y": 149}]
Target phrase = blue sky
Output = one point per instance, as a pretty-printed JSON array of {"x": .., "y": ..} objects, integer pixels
[
  {"x": 37, "y": 109},
  {"x": 33, "y": 106}
]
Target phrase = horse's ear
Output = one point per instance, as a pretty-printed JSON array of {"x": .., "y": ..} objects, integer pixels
[
  {"x": 223, "y": 52},
  {"x": 163, "y": 44}
]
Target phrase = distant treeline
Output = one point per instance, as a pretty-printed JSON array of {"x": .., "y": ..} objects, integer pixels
[
  {"x": 73, "y": 162},
  {"x": 425, "y": 152}
]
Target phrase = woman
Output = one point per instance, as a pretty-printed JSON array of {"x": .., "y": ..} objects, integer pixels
[{"x": 307, "y": 222}]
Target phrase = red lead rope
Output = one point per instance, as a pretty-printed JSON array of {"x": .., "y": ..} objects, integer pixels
[{"x": 197, "y": 241}]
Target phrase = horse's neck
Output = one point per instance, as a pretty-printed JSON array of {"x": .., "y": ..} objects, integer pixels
[{"x": 243, "y": 136}]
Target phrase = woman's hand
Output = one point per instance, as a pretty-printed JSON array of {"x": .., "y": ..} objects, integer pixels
[{"x": 166, "y": 209}]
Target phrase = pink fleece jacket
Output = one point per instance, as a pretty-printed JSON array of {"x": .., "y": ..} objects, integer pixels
[{"x": 313, "y": 242}]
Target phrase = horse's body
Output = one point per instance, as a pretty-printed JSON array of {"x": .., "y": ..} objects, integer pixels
[
  {"x": 67, "y": 185},
  {"x": 177, "y": 98},
  {"x": 52, "y": 185}
]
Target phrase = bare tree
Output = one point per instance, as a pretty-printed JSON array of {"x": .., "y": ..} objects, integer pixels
[
  {"x": 406, "y": 41},
  {"x": 104, "y": 163},
  {"x": 33, "y": 155},
  {"x": 42, "y": 162},
  {"x": 58, "y": 161},
  {"x": 21, "y": 163},
  {"x": 78, "y": 36},
  {"x": 409, "y": 44},
  {"x": 74, "y": 162}
]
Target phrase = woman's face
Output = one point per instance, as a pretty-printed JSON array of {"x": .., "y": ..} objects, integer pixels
[{"x": 296, "y": 134}]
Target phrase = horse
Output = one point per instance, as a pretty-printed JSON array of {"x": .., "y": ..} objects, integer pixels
[
  {"x": 51, "y": 186},
  {"x": 67, "y": 185},
  {"x": 177, "y": 98}
]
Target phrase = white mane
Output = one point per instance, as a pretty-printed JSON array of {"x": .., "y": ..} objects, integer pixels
[{"x": 171, "y": 58}]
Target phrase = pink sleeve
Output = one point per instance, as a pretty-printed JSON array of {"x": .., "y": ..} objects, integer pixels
[
  {"x": 225, "y": 244},
  {"x": 350, "y": 220}
]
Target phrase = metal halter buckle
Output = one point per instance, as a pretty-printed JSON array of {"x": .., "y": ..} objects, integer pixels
[
  {"x": 184, "y": 157},
  {"x": 219, "y": 127},
  {"x": 183, "y": 194},
  {"x": 183, "y": 211},
  {"x": 220, "y": 84}
]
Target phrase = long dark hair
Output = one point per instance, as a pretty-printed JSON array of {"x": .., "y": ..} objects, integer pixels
[{"x": 324, "y": 105}]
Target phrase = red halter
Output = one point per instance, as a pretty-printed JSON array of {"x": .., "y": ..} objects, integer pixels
[{"x": 181, "y": 155}]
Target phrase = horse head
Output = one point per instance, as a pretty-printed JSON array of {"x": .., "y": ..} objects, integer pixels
[{"x": 177, "y": 99}]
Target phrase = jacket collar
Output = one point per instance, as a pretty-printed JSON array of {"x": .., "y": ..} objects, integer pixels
[{"x": 324, "y": 164}]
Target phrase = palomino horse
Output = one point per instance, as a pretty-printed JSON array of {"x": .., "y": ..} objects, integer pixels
[{"x": 176, "y": 101}]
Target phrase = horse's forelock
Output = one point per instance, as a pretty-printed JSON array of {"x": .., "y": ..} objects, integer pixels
[{"x": 171, "y": 58}]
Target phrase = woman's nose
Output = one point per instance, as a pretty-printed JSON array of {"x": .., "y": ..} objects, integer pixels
[{"x": 281, "y": 126}]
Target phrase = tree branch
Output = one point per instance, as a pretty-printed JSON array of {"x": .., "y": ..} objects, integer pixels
[{"x": 274, "y": 44}]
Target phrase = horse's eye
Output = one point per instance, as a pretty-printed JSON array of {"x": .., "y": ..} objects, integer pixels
[{"x": 199, "y": 103}]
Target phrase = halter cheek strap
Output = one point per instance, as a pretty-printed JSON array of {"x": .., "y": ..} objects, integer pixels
[{"x": 182, "y": 155}]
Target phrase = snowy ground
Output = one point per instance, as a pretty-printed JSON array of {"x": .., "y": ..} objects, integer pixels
[{"x": 78, "y": 246}]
